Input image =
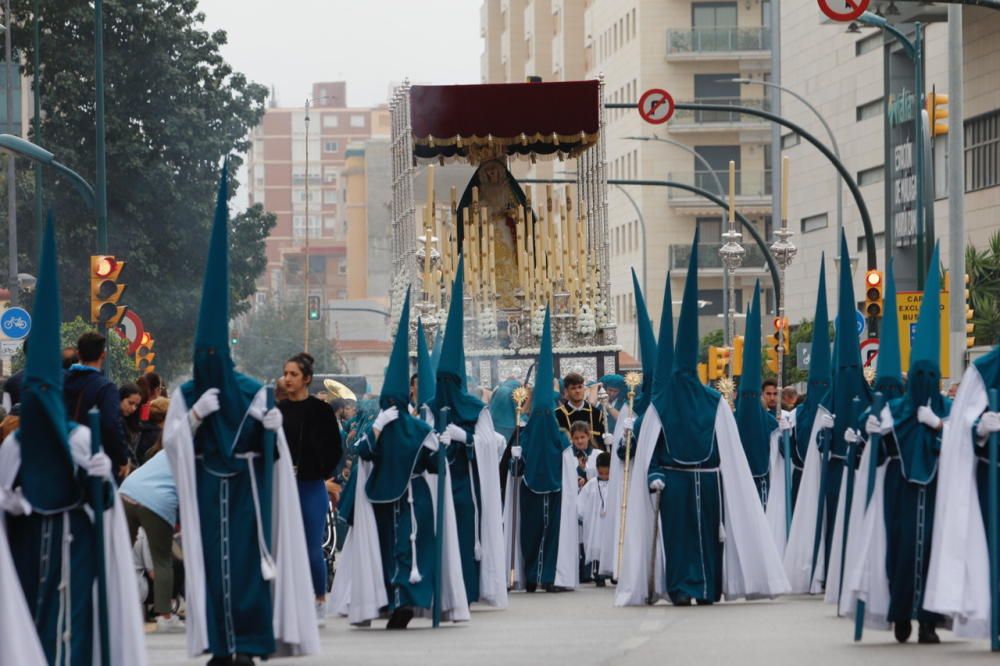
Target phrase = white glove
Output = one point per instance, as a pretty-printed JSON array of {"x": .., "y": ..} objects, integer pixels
[
  {"x": 656, "y": 485},
  {"x": 873, "y": 426},
  {"x": 457, "y": 434},
  {"x": 989, "y": 423},
  {"x": 98, "y": 465},
  {"x": 852, "y": 436},
  {"x": 629, "y": 423},
  {"x": 445, "y": 438},
  {"x": 784, "y": 423},
  {"x": 609, "y": 439},
  {"x": 384, "y": 418},
  {"x": 207, "y": 404},
  {"x": 501, "y": 441},
  {"x": 272, "y": 419},
  {"x": 515, "y": 452},
  {"x": 825, "y": 421},
  {"x": 927, "y": 416},
  {"x": 14, "y": 503},
  {"x": 431, "y": 443}
]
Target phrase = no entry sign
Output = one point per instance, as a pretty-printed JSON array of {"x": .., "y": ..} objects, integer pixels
[
  {"x": 656, "y": 106},
  {"x": 843, "y": 10}
]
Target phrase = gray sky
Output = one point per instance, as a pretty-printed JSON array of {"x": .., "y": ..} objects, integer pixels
[{"x": 369, "y": 43}]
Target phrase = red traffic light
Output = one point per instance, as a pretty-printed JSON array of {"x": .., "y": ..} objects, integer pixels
[
  {"x": 104, "y": 266},
  {"x": 873, "y": 278}
]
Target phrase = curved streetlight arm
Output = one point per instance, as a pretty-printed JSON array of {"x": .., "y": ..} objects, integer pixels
[
  {"x": 876, "y": 21},
  {"x": 719, "y": 201},
  {"x": 807, "y": 103},
  {"x": 820, "y": 146},
  {"x": 35, "y": 153},
  {"x": 81, "y": 185}
]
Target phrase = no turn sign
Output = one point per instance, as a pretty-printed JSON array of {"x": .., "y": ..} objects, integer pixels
[
  {"x": 843, "y": 10},
  {"x": 656, "y": 106}
]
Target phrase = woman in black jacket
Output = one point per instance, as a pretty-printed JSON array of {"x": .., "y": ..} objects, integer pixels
[{"x": 313, "y": 436}]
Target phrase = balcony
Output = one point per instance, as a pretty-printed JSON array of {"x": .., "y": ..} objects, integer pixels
[
  {"x": 753, "y": 189},
  {"x": 708, "y": 256},
  {"x": 718, "y": 43},
  {"x": 689, "y": 122}
]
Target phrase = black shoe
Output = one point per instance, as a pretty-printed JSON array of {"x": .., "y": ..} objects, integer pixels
[
  {"x": 243, "y": 660},
  {"x": 556, "y": 588},
  {"x": 400, "y": 618},
  {"x": 600, "y": 582},
  {"x": 220, "y": 661},
  {"x": 927, "y": 635},
  {"x": 704, "y": 602},
  {"x": 530, "y": 587},
  {"x": 681, "y": 600},
  {"x": 903, "y": 631}
]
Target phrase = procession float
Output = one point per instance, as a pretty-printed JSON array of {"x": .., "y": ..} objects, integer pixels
[{"x": 526, "y": 248}]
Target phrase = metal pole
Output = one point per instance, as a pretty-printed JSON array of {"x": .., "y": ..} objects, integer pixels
[
  {"x": 775, "y": 8},
  {"x": 11, "y": 176},
  {"x": 102, "y": 169},
  {"x": 956, "y": 189},
  {"x": 305, "y": 249},
  {"x": 36, "y": 121},
  {"x": 918, "y": 138}
]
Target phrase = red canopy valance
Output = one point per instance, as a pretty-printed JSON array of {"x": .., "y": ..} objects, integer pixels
[{"x": 505, "y": 118}]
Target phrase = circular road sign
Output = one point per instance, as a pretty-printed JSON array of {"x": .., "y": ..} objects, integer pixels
[
  {"x": 656, "y": 106},
  {"x": 131, "y": 329},
  {"x": 15, "y": 323},
  {"x": 843, "y": 10},
  {"x": 869, "y": 352}
]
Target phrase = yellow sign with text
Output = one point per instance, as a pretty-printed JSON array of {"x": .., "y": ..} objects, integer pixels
[{"x": 907, "y": 313}]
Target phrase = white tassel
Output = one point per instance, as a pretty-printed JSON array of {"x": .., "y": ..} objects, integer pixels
[
  {"x": 479, "y": 551},
  {"x": 475, "y": 507},
  {"x": 415, "y": 576}
]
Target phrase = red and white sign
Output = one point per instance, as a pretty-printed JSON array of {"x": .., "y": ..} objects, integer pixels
[
  {"x": 869, "y": 352},
  {"x": 656, "y": 106},
  {"x": 843, "y": 10},
  {"x": 131, "y": 329}
]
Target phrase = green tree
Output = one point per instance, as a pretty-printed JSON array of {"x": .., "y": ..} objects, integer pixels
[
  {"x": 122, "y": 366},
  {"x": 272, "y": 333},
  {"x": 174, "y": 110},
  {"x": 713, "y": 339},
  {"x": 983, "y": 269}
]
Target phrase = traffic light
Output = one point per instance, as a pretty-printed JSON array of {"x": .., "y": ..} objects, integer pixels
[
  {"x": 105, "y": 291},
  {"x": 874, "y": 286},
  {"x": 772, "y": 354},
  {"x": 703, "y": 373},
  {"x": 718, "y": 359},
  {"x": 738, "y": 355},
  {"x": 234, "y": 340},
  {"x": 144, "y": 355},
  {"x": 970, "y": 327},
  {"x": 315, "y": 311},
  {"x": 937, "y": 112}
]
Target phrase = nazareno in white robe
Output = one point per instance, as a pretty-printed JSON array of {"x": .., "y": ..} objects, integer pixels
[
  {"x": 592, "y": 513},
  {"x": 609, "y": 529},
  {"x": 958, "y": 579},
  {"x": 128, "y": 640},
  {"x": 568, "y": 557},
  {"x": 751, "y": 563},
  {"x": 294, "y": 617}
]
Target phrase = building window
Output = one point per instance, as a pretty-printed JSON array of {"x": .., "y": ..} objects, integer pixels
[
  {"x": 330, "y": 120},
  {"x": 341, "y": 294},
  {"x": 713, "y": 15},
  {"x": 789, "y": 140},
  {"x": 713, "y": 302},
  {"x": 342, "y": 267},
  {"x": 868, "y": 44},
  {"x": 982, "y": 151},
  {"x": 871, "y": 176},
  {"x": 357, "y": 120},
  {"x": 330, "y": 196},
  {"x": 871, "y": 109},
  {"x": 331, "y": 146},
  {"x": 330, "y": 175},
  {"x": 814, "y": 223}
]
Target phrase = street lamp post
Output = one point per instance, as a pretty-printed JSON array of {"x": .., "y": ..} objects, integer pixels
[
  {"x": 826, "y": 126},
  {"x": 11, "y": 176},
  {"x": 305, "y": 249},
  {"x": 102, "y": 167}
]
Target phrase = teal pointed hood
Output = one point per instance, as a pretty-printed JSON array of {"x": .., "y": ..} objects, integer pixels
[
  {"x": 502, "y": 407},
  {"x": 644, "y": 331},
  {"x": 687, "y": 409},
  {"x": 543, "y": 442},
  {"x": 754, "y": 421},
  {"x": 820, "y": 374},
  {"x": 436, "y": 349},
  {"x": 889, "y": 377},
  {"x": 918, "y": 445},
  {"x": 452, "y": 389},
  {"x": 399, "y": 444},
  {"x": 47, "y": 474},
  {"x": 848, "y": 377},
  {"x": 426, "y": 388},
  {"x": 213, "y": 363}
]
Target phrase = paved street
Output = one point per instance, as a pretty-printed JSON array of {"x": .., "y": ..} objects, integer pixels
[{"x": 583, "y": 628}]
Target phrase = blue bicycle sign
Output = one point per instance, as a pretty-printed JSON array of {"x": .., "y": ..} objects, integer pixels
[{"x": 15, "y": 323}]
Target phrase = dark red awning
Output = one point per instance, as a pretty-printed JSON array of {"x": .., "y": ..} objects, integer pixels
[{"x": 513, "y": 118}]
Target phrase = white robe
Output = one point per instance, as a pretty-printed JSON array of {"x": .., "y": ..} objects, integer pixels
[
  {"x": 775, "y": 510},
  {"x": 128, "y": 640},
  {"x": 751, "y": 563},
  {"x": 568, "y": 557},
  {"x": 492, "y": 566},
  {"x": 958, "y": 579},
  {"x": 294, "y": 617},
  {"x": 799, "y": 549},
  {"x": 610, "y": 526},
  {"x": 359, "y": 587},
  {"x": 592, "y": 513}
]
